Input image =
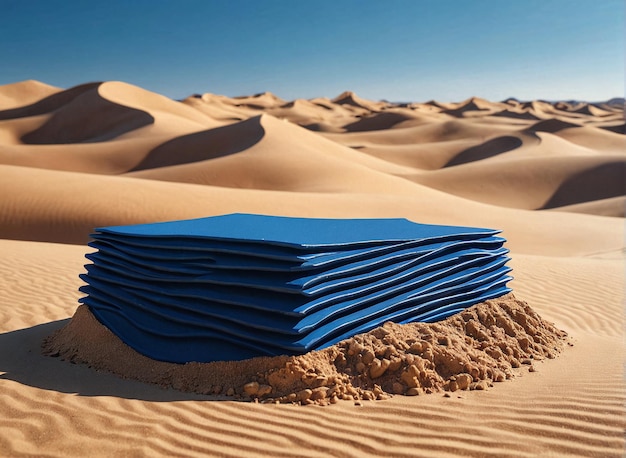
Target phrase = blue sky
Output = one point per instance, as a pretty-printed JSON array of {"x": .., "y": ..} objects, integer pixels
[{"x": 400, "y": 50}]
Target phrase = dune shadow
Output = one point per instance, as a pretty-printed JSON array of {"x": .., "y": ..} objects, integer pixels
[
  {"x": 485, "y": 150},
  {"x": 516, "y": 115},
  {"x": 321, "y": 105},
  {"x": 47, "y": 104},
  {"x": 88, "y": 118},
  {"x": 78, "y": 115},
  {"x": 459, "y": 112},
  {"x": 21, "y": 361},
  {"x": 322, "y": 127},
  {"x": 378, "y": 121},
  {"x": 204, "y": 145},
  {"x": 551, "y": 126},
  {"x": 602, "y": 182},
  {"x": 619, "y": 129}
]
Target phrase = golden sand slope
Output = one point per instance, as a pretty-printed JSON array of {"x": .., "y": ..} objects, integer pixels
[{"x": 111, "y": 153}]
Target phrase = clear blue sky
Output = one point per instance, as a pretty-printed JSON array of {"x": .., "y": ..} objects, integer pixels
[{"x": 400, "y": 50}]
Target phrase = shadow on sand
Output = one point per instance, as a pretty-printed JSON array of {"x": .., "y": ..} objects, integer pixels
[{"x": 21, "y": 361}]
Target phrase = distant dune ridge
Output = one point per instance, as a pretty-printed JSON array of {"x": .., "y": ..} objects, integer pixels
[{"x": 550, "y": 174}]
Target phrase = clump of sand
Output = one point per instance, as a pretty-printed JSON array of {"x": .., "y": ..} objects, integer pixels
[{"x": 467, "y": 351}]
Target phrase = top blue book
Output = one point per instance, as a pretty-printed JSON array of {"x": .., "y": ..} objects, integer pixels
[{"x": 297, "y": 233}]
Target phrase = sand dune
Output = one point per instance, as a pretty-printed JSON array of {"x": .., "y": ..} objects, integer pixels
[
  {"x": 259, "y": 101},
  {"x": 602, "y": 140},
  {"x": 349, "y": 98},
  {"x": 533, "y": 183},
  {"x": 30, "y": 98},
  {"x": 550, "y": 174},
  {"x": 245, "y": 155},
  {"x": 218, "y": 107},
  {"x": 25, "y": 93},
  {"x": 104, "y": 200},
  {"x": 613, "y": 206},
  {"x": 69, "y": 123}
]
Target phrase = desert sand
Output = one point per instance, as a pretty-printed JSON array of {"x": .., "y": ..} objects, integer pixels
[{"x": 549, "y": 174}]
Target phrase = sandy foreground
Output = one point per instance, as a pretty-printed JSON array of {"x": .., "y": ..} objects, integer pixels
[{"x": 550, "y": 175}]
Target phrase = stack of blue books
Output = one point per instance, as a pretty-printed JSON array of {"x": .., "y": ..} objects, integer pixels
[{"x": 238, "y": 286}]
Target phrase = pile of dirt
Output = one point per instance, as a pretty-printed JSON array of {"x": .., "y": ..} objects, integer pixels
[{"x": 468, "y": 351}]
